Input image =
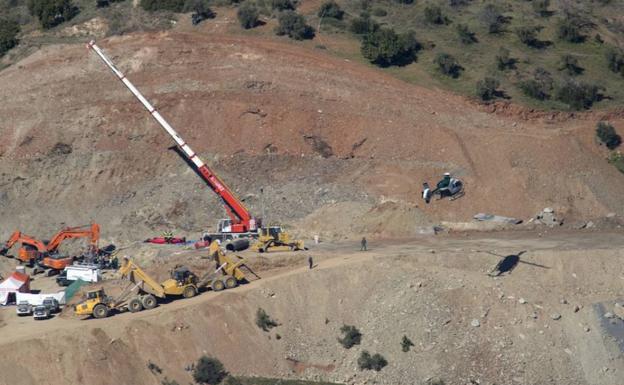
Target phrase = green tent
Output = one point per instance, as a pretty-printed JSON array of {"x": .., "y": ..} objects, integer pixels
[{"x": 73, "y": 289}]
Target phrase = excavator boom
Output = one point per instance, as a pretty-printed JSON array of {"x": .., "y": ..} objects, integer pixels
[
  {"x": 92, "y": 232},
  {"x": 19, "y": 237},
  {"x": 242, "y": 221}
]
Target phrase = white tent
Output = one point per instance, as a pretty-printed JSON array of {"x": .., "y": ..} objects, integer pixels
[
  {"x": 16, "y": 283},
  {"x": 37, "y": 299}
]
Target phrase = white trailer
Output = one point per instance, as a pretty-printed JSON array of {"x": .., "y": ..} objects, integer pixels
[{"x": 75, "y": 272}]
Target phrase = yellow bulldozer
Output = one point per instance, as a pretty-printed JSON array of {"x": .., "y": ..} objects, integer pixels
[
  {"x": 274, "y": 238},
  {"x": 143, "y": 291}
]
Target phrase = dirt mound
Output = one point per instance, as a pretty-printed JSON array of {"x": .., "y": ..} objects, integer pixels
[{"x": 349, "y": 220}]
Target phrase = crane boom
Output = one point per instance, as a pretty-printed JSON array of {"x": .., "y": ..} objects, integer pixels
[{"x": 242, "y": 220}]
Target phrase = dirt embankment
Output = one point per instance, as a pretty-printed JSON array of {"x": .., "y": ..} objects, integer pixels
[
  {"x": 524, "y": 334},
  {"x": 316, "y": 133}
]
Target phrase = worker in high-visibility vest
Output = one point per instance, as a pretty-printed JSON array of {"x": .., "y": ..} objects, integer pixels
[{"x": 168, "y": 235}]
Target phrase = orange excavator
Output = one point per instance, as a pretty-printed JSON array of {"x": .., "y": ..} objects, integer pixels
[
  {"x": 33, "y": 250},
  {"x": 53, "y": 261}
]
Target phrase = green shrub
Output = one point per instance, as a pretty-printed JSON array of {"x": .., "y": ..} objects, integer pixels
[
  {"x": 448, "y": 65},
  {"x": 8, "y": 35},
  {"x": 351, "y": 336},
  {"x": 433, "y": 14},
  {"x": 282, "y": 5},
  {"x": 248, "y": 15},
  {"x": 404, "y": 1},
  {"x": 541, "y": 7},
  {"x": 578, "y": 95},
  {"x": 466, "y": 36},
  {"x": 539, "y": 86},
  {"x": 504, "y": 60},
  {"x": 52, "y": 12},
  {"x": 167, "y": 381},
  {"x": 385, "y": 47},
  {"x": 406, "y": 344},
  {"x": 263, "y": 321},
  {"x": 201, "y": 10},
  {"x": 570, "y": 29},
  {"x": 617, "y": 159},
  {"x": 615, "y": 60},
  {"x": 487, "y": 88},
  {"x": 528, "y": 35},
  {"x": 375, "y": 362},
  {"x": 331, "y": 9},
  {"x": 229, "y": 380},
  {"x": 607, "y": 135},
  {"x": 363, "y": 25},
  {"x": 492, "y": 18},
  {"x": 569, "y": 64},
  {"x": 294, "y": 25},
  {"x": 155, "y": 369},
  {"x": 163, "y": 5},
  {"x": 209, "y": 371}
]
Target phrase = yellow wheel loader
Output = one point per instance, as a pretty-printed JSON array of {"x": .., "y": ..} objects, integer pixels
[{"x": 274, "y": 238}]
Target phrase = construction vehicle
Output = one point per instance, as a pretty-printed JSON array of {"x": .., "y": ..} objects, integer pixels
[
  {"x": 274, "y": 238},
  {"x": 46, "y": 252},
  {"x": 240, "y": 223},
  {"x": 450, "y": 187},
  {"x": 54, "y": 261},
  {"x": 143, "y": 291},
  {"x": 30, "y": 251}
]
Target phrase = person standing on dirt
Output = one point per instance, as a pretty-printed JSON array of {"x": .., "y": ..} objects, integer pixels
[
  {"x": 310, "y": 262},
  {"x": 363, "y": 244}
]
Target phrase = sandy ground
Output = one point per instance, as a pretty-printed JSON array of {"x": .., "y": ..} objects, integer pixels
[{"x": 430, "y": 289}]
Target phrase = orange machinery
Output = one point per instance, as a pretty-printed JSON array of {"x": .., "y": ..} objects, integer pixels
[
  {"x": 53, "y": 261},
  {"x": 33, "y": 250}
]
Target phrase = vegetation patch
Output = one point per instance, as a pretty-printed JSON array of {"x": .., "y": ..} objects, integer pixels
[
  {"x": 209, "y": 371},
  {"x": 606, "y": 134},
  {"x": 351, "y": 336},
  {"x": 263, "y": 321},
  {"x": 294, "y": 25},
  {"x": 385, "y": 47},
  {"x": 8, "y": 35},
  {"x": 375, "y": 362}
]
